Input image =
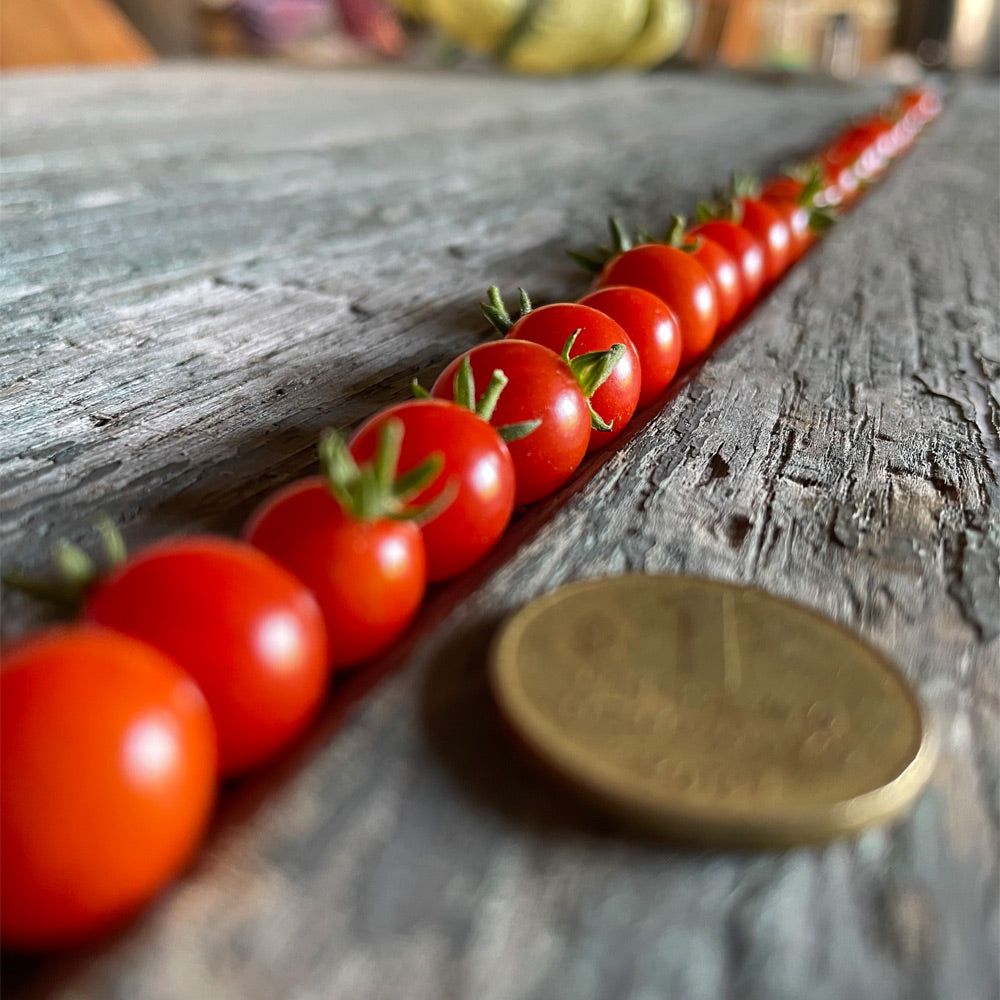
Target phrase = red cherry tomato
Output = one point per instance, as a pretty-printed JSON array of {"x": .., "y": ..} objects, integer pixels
[
  {"x": 771, "y": 232},
  {"x": 725, "y": 276},
  {"x": 920, "y": 105},
  {"x": 859, "y": 148},
  {"x": 616, "y": 398},
  {"x": 782, "y": 188},
  {"x": 796, "y": 219},
  {"x": 841, "y": 182},
  {"x": 368, "y": 576},
  {"x": 477, "y": 470},
  {"x": 743, "y": 248},
  {"x": 540, "y": 387},
  {"x": 108, "y": 778},
  {"x": 247, "y": 631},
  {"x": 677, "y": 279},
  {"x": 651, "y": 326}
]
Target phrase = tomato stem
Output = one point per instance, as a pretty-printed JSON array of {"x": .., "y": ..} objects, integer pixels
[
  {"x": 591, "y": 371},
  {"x": 496, "y": 312},
  {"x": 75, "y": 570},
  {"x": 373, "y": 490},
  {"x": 488, "y": 400}
]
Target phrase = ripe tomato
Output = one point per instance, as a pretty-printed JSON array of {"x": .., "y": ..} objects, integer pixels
[
  {"x": 542, "y": 387},
  {"x": 477, "y": 470},
  {"x": 743, "y": 248},
  {"x": 652, "y": 327},
  {"x": 718, "y": 264},
  {"x": 919, "y": 105},
  {"x": 771, "y": 231},
  {"x": 724, "y": 275},
  {"x": 796, "y": 219},
  {"x": 857, "y": 148},
  {"x": 841, "y": 182},
  {"x": 616, "y": 398},
  {"x": 673, "y": 276},
  {"x": 368, "y": 576},
  {"x": 247, "y": 631},
  {"x": 108, "y": 779},
  {"x": 782, "y": 188}
]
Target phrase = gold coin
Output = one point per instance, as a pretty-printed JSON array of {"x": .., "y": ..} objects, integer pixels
[{"x": 712, "y": 712}]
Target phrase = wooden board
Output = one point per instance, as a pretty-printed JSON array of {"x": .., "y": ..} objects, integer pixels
[{"x": 203, "y": 267}]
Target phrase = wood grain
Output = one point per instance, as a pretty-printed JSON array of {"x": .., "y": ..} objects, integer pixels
[{"x": 203, "y": 267}]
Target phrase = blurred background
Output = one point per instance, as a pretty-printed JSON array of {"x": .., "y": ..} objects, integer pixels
[{"x": 841, "y": 38}]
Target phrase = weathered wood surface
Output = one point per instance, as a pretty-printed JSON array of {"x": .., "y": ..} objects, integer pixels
[{"x": 203, "y": 267}]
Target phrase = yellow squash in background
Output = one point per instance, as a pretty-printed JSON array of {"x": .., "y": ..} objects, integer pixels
[{"x": 561, "y": 36}]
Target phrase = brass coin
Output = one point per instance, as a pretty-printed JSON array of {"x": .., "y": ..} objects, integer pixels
[{"x": 712, "y": 712}]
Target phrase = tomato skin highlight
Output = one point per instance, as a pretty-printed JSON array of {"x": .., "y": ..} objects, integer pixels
[
  {"x": 108, "y": 779},
  {"x": 540, "y": 387},
  {"x": 745, "y": 250},
  {"x": 477, "y": 467},
  {"x": 677, "y": 279},
  {"x": 796, "y": 219},
  {"x": 771, "y": 232},
  {"x": 249, "y": 633},
  {"x": 616, "y": 399},
  {"x": 722, "y": 271},
  {"x": 368, "y": 577},
  {"x": 652, "y": 327}
]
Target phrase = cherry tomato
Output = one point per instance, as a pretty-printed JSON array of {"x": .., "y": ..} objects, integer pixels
[
  {"x": 771, "y": 231},
  {"x": 858, "y": 148},
  {"x": 477, "y": 478},
  {"x": 616, "y": 398},
  {"x": 743, "y": 248},
  {"x": 368, "y": 576},
  {"x": 841, "y": 182},
  {"x": 541, "y": 387},
  {"x": 677, "y": 279},
  {"x": 722, "y": 271},
  {"x": 796, "y": 219},
  {"x": 652, "y": 327},
  {"x": 920, "y": 105},
  {"x": 107, "y": 783},
  {"x": 247, "y": 631},
  {"x": 782, "y": 188}
]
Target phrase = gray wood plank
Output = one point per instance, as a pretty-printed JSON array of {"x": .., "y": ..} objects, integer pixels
[{"x": 204, "y": 266}]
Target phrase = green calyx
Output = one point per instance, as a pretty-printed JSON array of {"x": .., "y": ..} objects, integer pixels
[
  {"x": 810, "y": 175},
  {"x": 591, "y": 371},
  {"x": 373, "y": 490},
  {"x": 742, "y": 185},
  {"x": 464, "y": 391},
  {"x": 75, "y": 571},
  {"x": 722, "y": 209},
  {"x": 496, "y": 312},
  {"x": 728, "y": 206},
  {"x": 677, "y": 236},
  {"x": 821, "y": 217},
  {"x": 620, "y": 242},
  {"x": 812, "y": 184}
]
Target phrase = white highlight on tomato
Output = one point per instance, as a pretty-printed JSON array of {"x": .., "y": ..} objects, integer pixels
[{"x": 150, "y": 749}]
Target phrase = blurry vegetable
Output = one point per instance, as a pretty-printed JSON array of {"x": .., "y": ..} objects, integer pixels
[{"x": 561, "y": 36}]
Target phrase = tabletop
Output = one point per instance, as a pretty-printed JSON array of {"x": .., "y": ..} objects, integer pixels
[{"x": 203, "y": 266}]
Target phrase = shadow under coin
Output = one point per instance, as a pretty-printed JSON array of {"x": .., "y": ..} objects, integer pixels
[{"x": 487, "y": 759}]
